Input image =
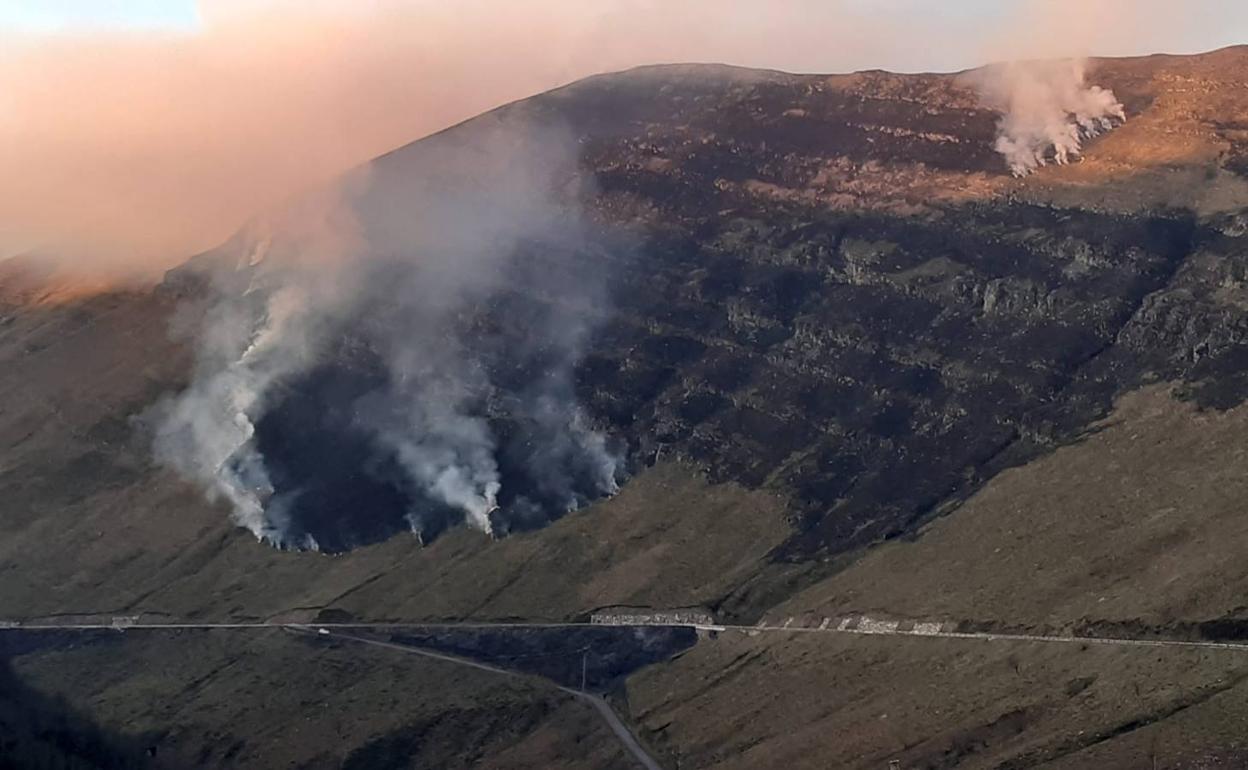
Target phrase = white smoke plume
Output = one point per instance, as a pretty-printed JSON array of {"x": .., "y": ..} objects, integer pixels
[
  {"x": 126, "y": 151},
  {"x": 208, "y": 432},
  {"x": 437, "y": 440},
  {"x": 395, "y": 278},
  {"x": 262, "y": 328},
  {"x": 1048, "y": 111}
]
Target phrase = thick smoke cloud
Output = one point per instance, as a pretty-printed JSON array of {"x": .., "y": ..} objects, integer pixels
[
  {"x": 1048, "y": 111},
  {"x": 129, "y": 151},
  {"x": 278, "y": 288},
  {"x": 430, "y": 313}
]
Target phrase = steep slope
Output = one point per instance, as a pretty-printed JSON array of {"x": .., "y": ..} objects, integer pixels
[
  {"x": 868, "y": 364},
  {"x": 224, "y": 700},
  {"x": 1133, "y": 532},
  {"x": 837, "y": 319}
]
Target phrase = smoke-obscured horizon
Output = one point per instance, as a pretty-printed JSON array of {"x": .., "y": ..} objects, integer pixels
[
  {"x": 127, "y": 152},
  {"x": 393, "y": 348},
  {"x": 397, "y": 353}
]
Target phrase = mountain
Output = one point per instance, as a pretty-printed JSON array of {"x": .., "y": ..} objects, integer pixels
[{"x": 850, "y": 365}]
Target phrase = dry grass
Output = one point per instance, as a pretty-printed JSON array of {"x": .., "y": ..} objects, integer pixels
[
  {"x": 268, "y": 699},
  {"x": 90, "y": 524},
  {"x": 1170, "y": 151},
  {"x": 829, "y": 701},
  {"x": 1141, "y": 520}
]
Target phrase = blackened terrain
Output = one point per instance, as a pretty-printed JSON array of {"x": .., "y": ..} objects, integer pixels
[
  {"x": 597, "y": 658},
  {"x": 337, "y": 482},
  {"x": 836, "y": 295},
  {"x": 812, "y": 300},
  {"x": 875, "y": 366}
]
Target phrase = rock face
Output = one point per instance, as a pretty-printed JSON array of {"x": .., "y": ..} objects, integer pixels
[
  {"x": 829, "y": 287},
  {"x": 843, "y": 298},
  {"x": 827, "y": 290},
  {"x": 890, "y": 366}
]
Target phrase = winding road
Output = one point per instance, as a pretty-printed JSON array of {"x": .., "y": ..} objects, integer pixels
[
  {"x": 625, "y": 736},
  {"x": 856, "y": 625}
]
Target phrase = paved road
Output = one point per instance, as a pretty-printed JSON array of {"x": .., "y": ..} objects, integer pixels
[
  {"x": 619, "y": 728},
  {"x": 625, "y": 736},
  {"x": 869, "y": 628},
  {"x": 121, "y": 624},
  {"x": 853, "y": 625},
  {"x": 990, "y": 637}
]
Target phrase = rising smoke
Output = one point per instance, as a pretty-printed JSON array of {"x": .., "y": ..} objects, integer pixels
[
  {"x": 129, "y": 151},
  {"x": 428, "y": 315},
  {"x": 1048, "y": 111},
  {"x": 404, "y": 342}
]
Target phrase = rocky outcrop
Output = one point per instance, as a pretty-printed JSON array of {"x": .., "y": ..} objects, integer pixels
[{"x": 830, "y": 287}]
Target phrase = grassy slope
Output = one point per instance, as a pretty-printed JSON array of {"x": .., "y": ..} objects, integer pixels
[
  {"x": 90, "y": 524},
  {"x": 826, "y": 701},
  {"x": 1139, "y": 521},
  {"x": 1157, "y": 486},
  {"x": 1142, "y": 521},
  {"x": 225, "y": 699}
]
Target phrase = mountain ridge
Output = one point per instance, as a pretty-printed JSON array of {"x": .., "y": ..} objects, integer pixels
[{"x": 835, "y": 348}]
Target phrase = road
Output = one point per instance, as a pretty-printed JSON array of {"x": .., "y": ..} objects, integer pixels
[
  {"x": 625, "y": 736},
  {"x": 869, "y": 628},
  {"x": 850, "y": 625},
  {"x": 337, "y": 631},
  {"x": 992, "y": 637}
]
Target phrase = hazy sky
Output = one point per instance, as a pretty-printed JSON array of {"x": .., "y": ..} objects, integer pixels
[
  {"x": 46, "y": 15},
  {"x": 1207, "y": 24},
  {"x": 135, "y": 130}
]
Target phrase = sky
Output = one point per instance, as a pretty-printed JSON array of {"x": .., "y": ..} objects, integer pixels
[
  {"x": 1209, "y": 24},
  {"x": 145, "y": 130},
  {"x": 38, "y": 16}
]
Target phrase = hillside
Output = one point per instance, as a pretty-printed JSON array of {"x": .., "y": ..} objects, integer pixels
[{"x": 856, "y": 367}]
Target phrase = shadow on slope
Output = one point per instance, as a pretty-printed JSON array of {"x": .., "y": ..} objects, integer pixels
[{"x": 38, "y": 732}]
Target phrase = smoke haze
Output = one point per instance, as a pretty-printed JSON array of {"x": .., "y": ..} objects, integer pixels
[
  {"x": 131, "y": 151},
  {"x": 394, "y": 349},
  {"x": 396, "y": 352},
  {"x": 1048, "y": 111}
]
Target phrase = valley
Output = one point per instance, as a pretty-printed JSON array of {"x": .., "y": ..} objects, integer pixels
[{"x": 859, "y": 370}]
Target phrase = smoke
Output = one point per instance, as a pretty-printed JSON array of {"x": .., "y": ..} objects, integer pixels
[
  {"x": 412, "y": 332},
  {"x": 208, "y": 433},
  {"x": 1048, "y": 108},
  {"x": 1048, "y": 111},
  {"x": 129, "y": 151},
  {"x": 277, "y": 287},
  {"x": 399, "y": 348}
]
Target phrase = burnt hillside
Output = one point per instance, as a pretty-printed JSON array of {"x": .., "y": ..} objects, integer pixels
[{"x": 826, "y": 287}]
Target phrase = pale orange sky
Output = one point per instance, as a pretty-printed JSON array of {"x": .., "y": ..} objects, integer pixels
[{"x": 130, "y": 147}]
